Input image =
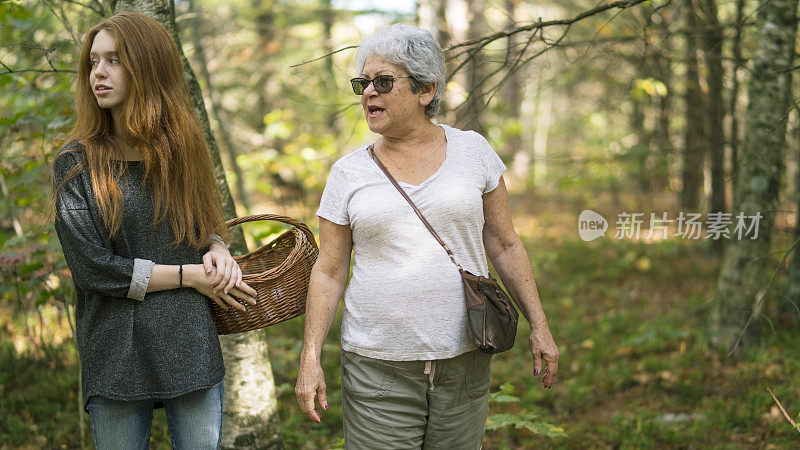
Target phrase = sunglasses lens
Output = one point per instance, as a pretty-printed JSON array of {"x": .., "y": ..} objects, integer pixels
[
  {"x": 359, "y": 84},
  {"x": 383, "y": 83}
]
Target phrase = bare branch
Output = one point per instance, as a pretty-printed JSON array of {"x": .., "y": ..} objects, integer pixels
[
  {"x": 45, "y": 51},
  {"x": 760, "y": 298},
  {"x": 9, "y": 70},
  {"x": 324, "y": 56},
  {"x": 98, "y": 11},
  {"x": 539, "y": 24},
  {"x": 62, "y": 18},
  {"x": 485, "y": 40},
  {"x": 783, "y": 410}
]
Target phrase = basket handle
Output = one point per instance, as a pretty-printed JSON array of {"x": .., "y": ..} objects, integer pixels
[{"x": 288, "y": 220}]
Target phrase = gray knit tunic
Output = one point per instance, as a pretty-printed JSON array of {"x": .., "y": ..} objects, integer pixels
[{"x": 132, "y": 345}]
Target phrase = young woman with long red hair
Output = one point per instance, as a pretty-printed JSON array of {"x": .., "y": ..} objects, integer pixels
[{"x": 139, "y": 218}]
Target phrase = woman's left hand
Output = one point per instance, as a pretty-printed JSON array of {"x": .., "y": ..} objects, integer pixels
[
  {"x": 228, "y": 272},
  {"x": 544, "y": 347}
]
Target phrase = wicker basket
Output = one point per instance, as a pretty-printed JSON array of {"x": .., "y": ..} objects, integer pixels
[{"x": 279, "y": 271}]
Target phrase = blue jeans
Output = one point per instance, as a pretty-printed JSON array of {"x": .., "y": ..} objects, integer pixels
[{"x": 194, "y": 421}]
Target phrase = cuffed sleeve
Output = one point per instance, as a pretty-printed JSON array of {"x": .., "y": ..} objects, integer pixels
[
  {"x": 216, "y": 238},
  {"x": 94, "y": 267},
  {"x": 142, "y": 268}
]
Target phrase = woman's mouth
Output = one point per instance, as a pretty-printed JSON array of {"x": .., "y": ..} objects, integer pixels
[
  {"x": 375, "y": 111},
  {"x": 101, "y": 89}
]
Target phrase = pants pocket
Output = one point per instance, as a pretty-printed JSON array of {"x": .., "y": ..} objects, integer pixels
[
  {"x": 479, "y": 373},
  {"x": 366, "y": 378}
]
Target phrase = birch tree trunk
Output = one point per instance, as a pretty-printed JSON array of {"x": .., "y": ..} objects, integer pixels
[
  {"x": 742, "y": 284},
  {"x": 249, "y": 419}
]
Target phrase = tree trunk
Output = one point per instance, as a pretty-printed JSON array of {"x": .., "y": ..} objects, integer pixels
[
  {"x": 444, "y": 37},
  {"x": 741, "y": 285},
  {"x": 216, "y": 110},
  {"x": 641, "y": 149},
  {"x": 712, "y": 47},
  {"x": 542, "y": 121},
  {"x": 267, "y": 45},
  {"x": 663, "y": 71},
  {"x": 790, "y": 307},
  {"x": 694, "y": 137},
  {"x": 512, "y": 90},
  {"x": 328, "y": 20},
  {"x": 432, "y": 16},
  {"x": 738, "y": 62},
  {"x": 249, "y": 417},
  {"x": 471, "y": 118}
]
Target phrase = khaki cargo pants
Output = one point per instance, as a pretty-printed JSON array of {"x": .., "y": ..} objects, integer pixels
[{"x": 440, "y": 404}]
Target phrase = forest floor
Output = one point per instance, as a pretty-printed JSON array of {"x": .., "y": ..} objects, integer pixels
[{"x": 636, "y": 368}]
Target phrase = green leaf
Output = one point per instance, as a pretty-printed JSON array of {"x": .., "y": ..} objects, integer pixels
[
  {"x": 496, "y": 421},
  {"x": 543, "y": 428},
  {"x": 504, "y": 395},
  {"x": 8, "y": 121},
  {"x": 43, "y": 297},
  {"x": 502, "y": 398},
  {"x": 337, "y": 444}
]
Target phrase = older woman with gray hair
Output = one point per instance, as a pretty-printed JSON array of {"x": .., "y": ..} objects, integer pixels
[{"x": 411, "y": 375}]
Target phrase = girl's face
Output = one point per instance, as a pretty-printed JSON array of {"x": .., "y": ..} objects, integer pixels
[{"x": 107, "y": 78}]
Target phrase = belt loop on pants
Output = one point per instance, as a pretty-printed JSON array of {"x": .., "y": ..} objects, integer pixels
[{"x": 430, "y": 370}]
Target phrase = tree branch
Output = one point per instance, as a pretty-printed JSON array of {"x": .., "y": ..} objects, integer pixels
[
  {"x": 539, "y": 24},
  {"x": 783, "y": 410},
  {"x": 324, "y": 56},
  {"x": 94, "y": 8},
  {"x": 47, "y": 52},
  {"x": 10, "y": 71},
  {"x": 485, "y": 40},
  {"x": 760, "y": 298},
  {"x": 63, "y": 19}
]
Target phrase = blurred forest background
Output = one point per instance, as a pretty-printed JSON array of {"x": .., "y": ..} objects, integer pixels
[{"x": 667, "y": 107}]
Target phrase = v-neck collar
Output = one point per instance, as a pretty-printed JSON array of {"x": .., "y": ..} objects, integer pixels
[{"x": 447, "y": 152}]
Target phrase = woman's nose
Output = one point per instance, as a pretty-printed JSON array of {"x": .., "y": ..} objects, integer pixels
[
  {"x": 100, "y": 70},
  {"x": 370, "y": 90}
]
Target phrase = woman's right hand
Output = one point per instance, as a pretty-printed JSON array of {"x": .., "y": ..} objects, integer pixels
[
  {"x": 311, "y": 384},
  {"x": 196, "y": 277}
]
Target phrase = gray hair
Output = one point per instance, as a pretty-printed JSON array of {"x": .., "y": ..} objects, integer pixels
[{"x": 413, "y": 49}]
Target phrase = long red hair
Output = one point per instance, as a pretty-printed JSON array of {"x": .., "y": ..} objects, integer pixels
[{"x": 158, "y": 117}]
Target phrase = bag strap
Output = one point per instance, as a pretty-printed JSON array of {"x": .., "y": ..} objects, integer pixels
[{"x": 413, "y": 206}]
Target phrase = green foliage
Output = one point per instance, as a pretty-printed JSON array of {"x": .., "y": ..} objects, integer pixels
[
  {"x": 504, "y": 395},
  {"x": 521, "y": 420},
  {"x": 636, "y": 368}
]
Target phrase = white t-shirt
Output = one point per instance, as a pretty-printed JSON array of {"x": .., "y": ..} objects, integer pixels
[{"x": 405, "y": 300}]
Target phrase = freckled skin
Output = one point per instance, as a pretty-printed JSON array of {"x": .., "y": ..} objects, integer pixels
[{"x": 401, "y": 114}]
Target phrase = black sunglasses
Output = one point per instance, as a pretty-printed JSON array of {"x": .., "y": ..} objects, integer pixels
[{"x": 381, "y": 83}]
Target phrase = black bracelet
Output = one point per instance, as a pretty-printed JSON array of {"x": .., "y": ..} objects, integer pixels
[{"x": 180, "y": 275}]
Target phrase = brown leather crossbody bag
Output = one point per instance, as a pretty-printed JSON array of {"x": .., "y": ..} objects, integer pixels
[{"x": 492, "y": 317}]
